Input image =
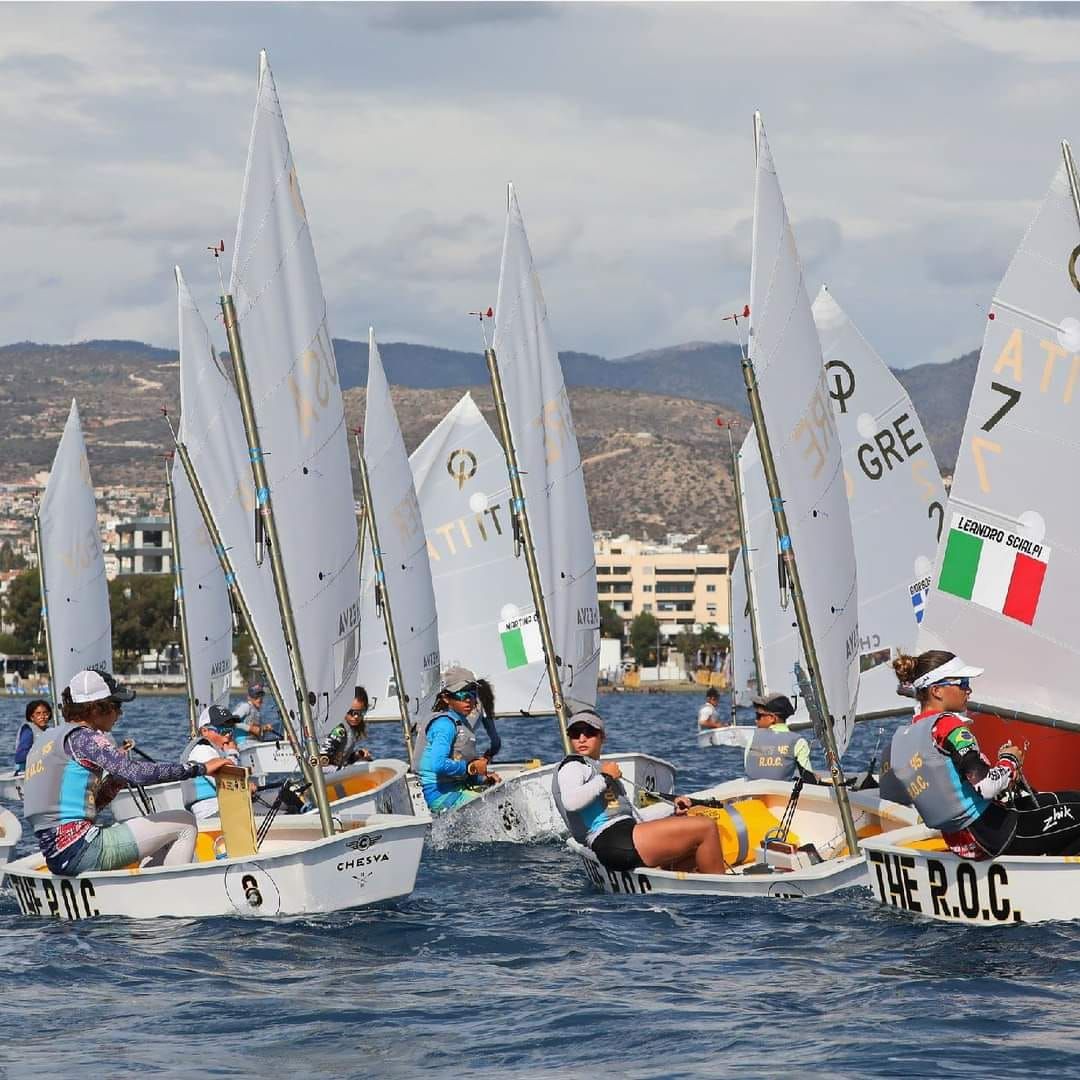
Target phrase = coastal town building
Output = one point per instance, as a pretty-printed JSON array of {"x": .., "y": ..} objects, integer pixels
[{"x": 684, "y": 588}]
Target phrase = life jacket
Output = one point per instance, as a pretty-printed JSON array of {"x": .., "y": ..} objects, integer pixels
[
  {"x": 945, "y": 799},
  {"x": 205, "y": 788},
  {"x": 341, "y": 755},
  {"x": 34, "y": 732},
  {"x": 610, "y": 805},
  {"x": 432, "y": 782},
  {"x": 58, "y": 789},
  {"x": 889, "y": 787},
  {"x": 772, "y": 755}
]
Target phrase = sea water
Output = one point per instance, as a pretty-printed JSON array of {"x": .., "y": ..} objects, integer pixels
[{"x": 505, "y": 962}]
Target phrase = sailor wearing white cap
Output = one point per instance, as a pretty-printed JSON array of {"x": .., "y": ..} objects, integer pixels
[
  {"x": 76, "y": 769},
  {"x": 937, "y": 761}
]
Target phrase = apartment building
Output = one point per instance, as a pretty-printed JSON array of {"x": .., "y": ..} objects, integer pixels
[
  {"x": 144, "y": 546},
  {"x": 685, "y": 589}
]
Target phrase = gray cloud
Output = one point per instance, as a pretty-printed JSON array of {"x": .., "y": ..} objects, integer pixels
[
  {"x": 42, "y": 67},
  {"x": 1030, "y": 9},
  {"x": 423, "y": 17}
]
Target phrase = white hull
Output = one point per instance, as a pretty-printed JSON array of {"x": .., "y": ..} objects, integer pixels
[
  {"x": 10, "y": 834},
  {"x": 269, "y": 759},
  {"x": 11, "y": 786},
  {"x": 386, "y": 788},
  {"x": 936, "y": 884},
  {"x": 297, "y": 872},
  {"x": 521, "y": 810},
  {"x": 816, "y": 822}
]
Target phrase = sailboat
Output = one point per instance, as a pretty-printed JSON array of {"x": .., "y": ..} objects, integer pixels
[
  {"x": 71, "y": 568},
  {"x": 1007, "y": 574},
  {"x": 780, "y": 841},
  {"x": 549, "y": 618},
  {"x": 296, "y": 445}
]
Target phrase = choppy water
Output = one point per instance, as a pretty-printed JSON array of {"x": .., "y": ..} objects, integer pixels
[{"x": 504, "y": 962}]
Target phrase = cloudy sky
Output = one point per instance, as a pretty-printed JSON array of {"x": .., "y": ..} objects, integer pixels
[{"x": 913, "y": 143}]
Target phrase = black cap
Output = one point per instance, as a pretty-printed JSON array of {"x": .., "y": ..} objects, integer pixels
[
  {"x": 777, "y": 704},
  {"x": 216, "y": 717}
]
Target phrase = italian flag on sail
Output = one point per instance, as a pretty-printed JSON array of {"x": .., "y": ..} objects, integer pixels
[
  {"x": 521, "y": 640},
  {"x": 994, "y": 568}
]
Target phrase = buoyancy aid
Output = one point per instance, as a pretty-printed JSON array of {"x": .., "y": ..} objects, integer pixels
[{"x": 609, "y": 806}]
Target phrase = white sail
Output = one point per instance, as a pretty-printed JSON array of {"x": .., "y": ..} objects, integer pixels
[
  {"x": 787, "y": 360},
  {"x": 212, "y": 429},
  {"x": 460, "y": 475},
  {"x": 543, "y": 433},
  {"x": 206, "y": 599},
  {"x": 778, "y": 632},
  {"x": 406, "y": 570},
  {"x": 1008, "y": 568},
  {"x": 298, "y": 408},
  {"x": 895, "y": 495},
  {"x": 77, "y": 598},
  {"x": 743, "y": 674}
]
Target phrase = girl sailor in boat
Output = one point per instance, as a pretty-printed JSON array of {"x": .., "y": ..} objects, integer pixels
[
  {"x": 593, "y": 802},
  {"x": 342, "y": 745},
  {"x": 214, "y": 738},
  {"x": 38, "y": 718},
  {"x": 451, "y": 770},
  {"x": 77, "y": 769},
  {"x": 955, "y": 788}
]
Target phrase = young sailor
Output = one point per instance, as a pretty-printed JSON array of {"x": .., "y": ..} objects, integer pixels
[
  {"x": 249, "y": 725},
  {"x": 342, "y": 746},
  {"x": 450, "y": 767},
  {"x": 775, "y": 752},
  {"x": 38, "y": 718},
  {"x": 77, "y": 769},
  {"x": 214, "y": 739},
  {"x": 593, "y": 802},
  {"x": 955, "y": 788},
  {"x": 707, "y": 716}
]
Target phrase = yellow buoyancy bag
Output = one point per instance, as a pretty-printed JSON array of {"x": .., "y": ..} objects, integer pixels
[{"x": 742, "y": 826}]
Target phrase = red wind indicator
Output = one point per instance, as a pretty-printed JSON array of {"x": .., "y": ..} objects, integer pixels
[
  {"x": 991, "y": 316},
  {"x": 217, "y": 249}
]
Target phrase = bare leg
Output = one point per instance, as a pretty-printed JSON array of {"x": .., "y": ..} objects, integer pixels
[{"x": 675, "y": 841}]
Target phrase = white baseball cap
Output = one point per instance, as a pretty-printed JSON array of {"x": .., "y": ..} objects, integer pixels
[{"x": 97, "y": 686}]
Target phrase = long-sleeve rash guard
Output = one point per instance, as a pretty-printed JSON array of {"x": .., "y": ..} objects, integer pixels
[{"x": 954, "y": 738}]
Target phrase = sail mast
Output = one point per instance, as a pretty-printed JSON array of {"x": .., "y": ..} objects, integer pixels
[
  {"x": 521, "y": 517},
  {"x": 801, "y": 614},
  {"x": 384, "y": 593},
  {"x": 178, "y": 574},
  {"x": 43, "y": 589},
  {"x": 281, "y": 588}
]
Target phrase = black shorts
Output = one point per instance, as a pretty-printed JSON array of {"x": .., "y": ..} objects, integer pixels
[{"x": 614, "y": 847}]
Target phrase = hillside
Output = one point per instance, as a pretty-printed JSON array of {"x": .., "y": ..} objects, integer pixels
[{"x": 655, "y": 460}]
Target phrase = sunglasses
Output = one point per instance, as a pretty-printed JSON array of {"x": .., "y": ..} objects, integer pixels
[
  {"x": 356, "y": 712},
  {"x": 962, "y": 684},
  {"x": 582, "y": 730},
  {"x": 463, "y": 695}
]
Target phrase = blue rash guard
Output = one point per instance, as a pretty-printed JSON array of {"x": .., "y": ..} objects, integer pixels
[
  {"x": 23, "y": 742},
  {"x": 445, "y": 780}
]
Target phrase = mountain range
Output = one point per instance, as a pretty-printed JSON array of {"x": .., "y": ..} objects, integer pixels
[{"x": 654, "y": 460}]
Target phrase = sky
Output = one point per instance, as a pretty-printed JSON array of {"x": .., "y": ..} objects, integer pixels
[{"x": 913, "y": 144}]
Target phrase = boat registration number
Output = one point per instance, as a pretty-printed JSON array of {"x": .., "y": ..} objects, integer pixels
[
  {"x": 953, "y": 890},
  {"x": 70, "y": 899}
]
